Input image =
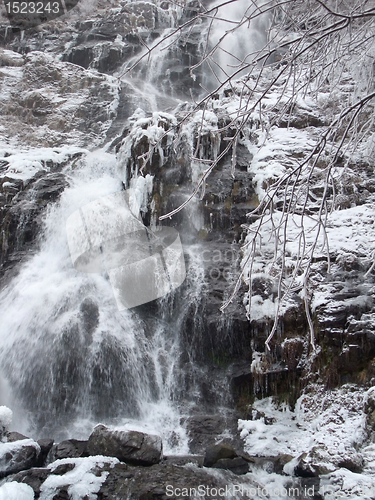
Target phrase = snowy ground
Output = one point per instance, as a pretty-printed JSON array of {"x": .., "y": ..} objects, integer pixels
[{"x": 328, "y": 426}]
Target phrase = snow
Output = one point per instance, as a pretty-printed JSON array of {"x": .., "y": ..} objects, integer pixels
[
  {"x": 26, "y": 164},
  {"x": 153, "y": 129},
  {"x": 6, "y": 416},
  {"x": 16, "y": 491},
  {"x": 82, "y": 480},
  {"x": 330, "y": 422},
  {"x": 7, "y": 449},
  {"x": 333, "y": 418},
  {"x": 278, "y": 149}
]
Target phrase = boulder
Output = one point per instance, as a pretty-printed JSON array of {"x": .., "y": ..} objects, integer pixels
[
  {"x": 128, "y": 446},
  {"x": 17, "y": 456},
  {"x": 34, "y": 477},
  {"x": 218, "y": 452},
  {"x": 45, "y": 447},
  {"x": 237, "y": 465},
  {"x": 224, "y": 456},
  {"x": 314, "y": 463},
  {"x": 15, "y": 436},
  {"x": 71, "y": 448}
]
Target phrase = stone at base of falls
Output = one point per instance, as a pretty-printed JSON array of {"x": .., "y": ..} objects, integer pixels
[
  {"x": 71, "y": 448},
  {"x": 128, "y": 446},
  {"x": 18, "y": 455},
  {"x": 45, "y": 448},
  {"x": 217, "y": 452},
  {"x": 15, "y": 436},
  {"x": 224, "y": 456},
  {"x": 237, "y": 465},
  {"x": 33, "y": 477}
]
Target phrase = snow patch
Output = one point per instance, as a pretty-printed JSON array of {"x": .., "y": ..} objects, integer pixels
[
  {"x": 82, "y": 480},
  {"x": 16, "y": 491}
]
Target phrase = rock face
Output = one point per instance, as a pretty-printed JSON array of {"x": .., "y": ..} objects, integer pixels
[
  {"x": 27, "y": 187},
  {"x": 128, "y": 446}
]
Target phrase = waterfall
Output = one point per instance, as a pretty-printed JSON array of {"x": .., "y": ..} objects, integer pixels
[
  {"x": 69, "y": 357},
  {"x": 235, "y": 45}
]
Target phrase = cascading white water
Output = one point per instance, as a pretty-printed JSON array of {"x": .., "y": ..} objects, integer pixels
[
  {"x": 70, "y": 357},
  {"x": 235, "y": 42}
]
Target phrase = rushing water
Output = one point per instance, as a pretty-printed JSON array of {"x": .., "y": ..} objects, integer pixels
[{"x": 72, "y": 359}]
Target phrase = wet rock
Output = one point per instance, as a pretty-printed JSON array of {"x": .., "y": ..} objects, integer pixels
[
  {"x": 18, "y": 456},
  {"x": 90, "y": 315},
  {"x": 236, "y": 465},
  {"x": 34, "y": 477},
  {"x": 128, "y": 446},
  {"x": 204, "y": 429},
  {"x": 151, "y": 483},
  {"x": 224, "y": 456},
  {"x": 71, "y": 448},
  {"x": 45, "y": 448},
  {"x": 217, "y": 452},
  {"x": 15, "y": 436}
]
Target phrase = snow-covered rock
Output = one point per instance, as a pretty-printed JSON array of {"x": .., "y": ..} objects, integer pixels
[
  {"x": 18, "y": 456},
  {"x": 6, "y": 416}
]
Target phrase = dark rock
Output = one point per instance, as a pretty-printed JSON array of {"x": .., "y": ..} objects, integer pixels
[
  {"x": 45, "y": 447},
  {"x": 204, "y": 429},
  {"x": 71, "y": 448},
  {"x": 128, "y": 446},
  {"x": 15, "y": 436},
  {"x": 90, "y": 315},
  {"x": 33, "y": 477},
  {"x": 236, "y": 465},
  {"x": 150, "y": 483},
  {"x": 62, "y": 469},
  {"x": 217, "y": 452},
  {"x": 18, "y": 456},
  {"x": 352, "y": 462}
]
